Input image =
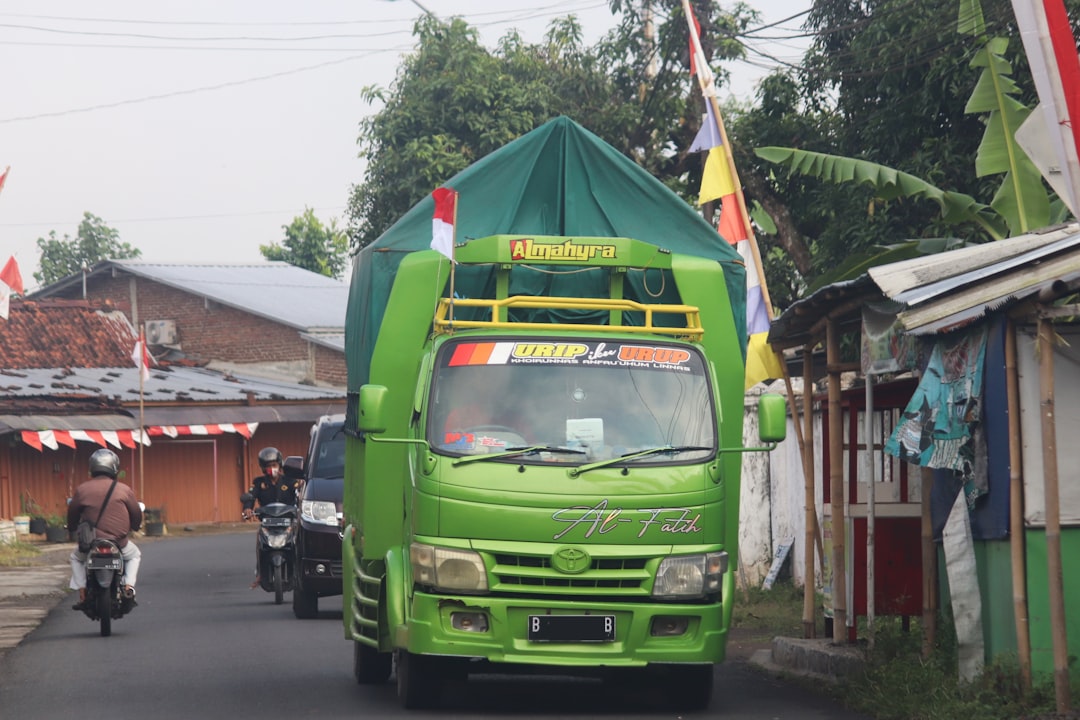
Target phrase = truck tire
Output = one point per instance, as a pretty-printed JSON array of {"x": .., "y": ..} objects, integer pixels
[
  {"x": 371, "y": 667},
  {"x": 419, "y": 682},
  {"x": 305, "y": 604},
  {"x": 687, "y": 687}
]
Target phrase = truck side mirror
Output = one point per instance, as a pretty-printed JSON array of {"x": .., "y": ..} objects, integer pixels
[
  {"x": 372, "y": 406},
  {"x": 294, "y": 467},
  {"x": 772, "y": 418}
]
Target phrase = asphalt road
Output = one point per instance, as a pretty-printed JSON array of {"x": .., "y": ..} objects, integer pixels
[{"x": 201, "y": 644}]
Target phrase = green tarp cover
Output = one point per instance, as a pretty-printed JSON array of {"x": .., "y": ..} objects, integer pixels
[{"x": 559, "y": 179}]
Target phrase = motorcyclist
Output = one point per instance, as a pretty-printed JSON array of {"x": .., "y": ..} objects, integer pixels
[
  {"x": 270, "y": 487},
  {"x": 115, "y": 522}
]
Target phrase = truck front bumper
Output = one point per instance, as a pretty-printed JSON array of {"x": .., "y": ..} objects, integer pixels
[{"x": 497, "y": 629}]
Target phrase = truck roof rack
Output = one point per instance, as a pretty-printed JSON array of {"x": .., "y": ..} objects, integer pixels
[{"x": 499, "y": 317}]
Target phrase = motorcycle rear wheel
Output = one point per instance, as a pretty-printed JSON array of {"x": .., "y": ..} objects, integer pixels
[
  {"x": 279, "y": 585},
  {"x": 104, "y": 611}
]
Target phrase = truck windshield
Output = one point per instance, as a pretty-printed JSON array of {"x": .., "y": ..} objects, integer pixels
[{"x": 602, "y": 400}]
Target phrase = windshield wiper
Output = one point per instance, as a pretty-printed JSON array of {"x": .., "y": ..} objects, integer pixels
[
  {"x": 626, "y": 457},
  {"x": 525, "y": 450}
]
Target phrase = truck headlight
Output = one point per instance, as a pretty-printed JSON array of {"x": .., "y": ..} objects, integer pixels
[
  {"x": 319, "y": 511},
  {"x": 447, "y": 569},
  {"x": 690, "y": 576}
]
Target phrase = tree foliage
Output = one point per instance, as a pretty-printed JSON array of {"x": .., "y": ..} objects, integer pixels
[
  {"x": 311, "y": 245},
  {"x": 454, "y": 101},
  {"x": 884, "y": 92},
  {"x": 94, "y": 241}
]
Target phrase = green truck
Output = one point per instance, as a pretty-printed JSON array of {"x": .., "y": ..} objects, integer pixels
[{"x": 542, "y": 468}]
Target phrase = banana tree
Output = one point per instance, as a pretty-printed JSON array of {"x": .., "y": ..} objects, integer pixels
[{"x": 1021, "y": 203}]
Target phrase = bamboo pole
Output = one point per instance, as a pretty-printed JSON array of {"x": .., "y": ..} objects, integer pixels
[
  {"x": 1053, "y": 515},
  {"x": 836, "y": 484},
  {"x": 1016, "y": 509},
  {"x": 807, "y": 451}
]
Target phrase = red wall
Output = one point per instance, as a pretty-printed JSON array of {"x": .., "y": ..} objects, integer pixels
[{"x": 193, "y": 479}]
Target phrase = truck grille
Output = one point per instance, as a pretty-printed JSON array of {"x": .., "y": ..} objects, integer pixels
[{"x": 534, "y": 574}]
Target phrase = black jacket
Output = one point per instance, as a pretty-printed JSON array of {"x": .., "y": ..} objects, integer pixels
[{"x": 266, "y": 489}]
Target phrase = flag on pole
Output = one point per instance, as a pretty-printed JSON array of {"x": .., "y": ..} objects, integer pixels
[
  {"x": 442, "y": 224},
  {"x": 1051, "y": 134},
  {"x": 141, "y": 357},
  {"x": 10, "y": 281},
  {"x": 719, "y": 181},
  {"x": 3, "y": 177}
]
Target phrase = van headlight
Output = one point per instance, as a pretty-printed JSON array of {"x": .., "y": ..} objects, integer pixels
[
  {"x": 690, "y": 576},
  {"x": 319, "y": 511},
  {"x": 448, "y": 569}
]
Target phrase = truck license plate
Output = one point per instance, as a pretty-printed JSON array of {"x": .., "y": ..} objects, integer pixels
[{"x": 572, "y": 628}]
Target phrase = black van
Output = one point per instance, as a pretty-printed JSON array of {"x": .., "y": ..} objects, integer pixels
[{"x": 318, "y": 540}]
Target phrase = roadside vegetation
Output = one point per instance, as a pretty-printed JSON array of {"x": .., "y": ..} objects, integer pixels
[
  {"x": 17, "y": 554},
  {"x": 899, "y": 683}
]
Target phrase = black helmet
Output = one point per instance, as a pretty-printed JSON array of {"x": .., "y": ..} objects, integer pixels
[
  {"x": 270, "y": 455},
  {"x": 104, "y": 462}
]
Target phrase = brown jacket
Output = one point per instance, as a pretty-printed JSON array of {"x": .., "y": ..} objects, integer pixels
[{"x": 121, "y": 517}]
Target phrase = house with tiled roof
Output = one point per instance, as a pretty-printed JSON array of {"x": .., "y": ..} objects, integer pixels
[
  {"x": 269, "y": 319},
  {"x": 187, "y": 435}
]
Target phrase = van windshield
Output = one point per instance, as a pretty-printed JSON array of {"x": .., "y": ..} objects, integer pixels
[{"x": 600, "y": 399}]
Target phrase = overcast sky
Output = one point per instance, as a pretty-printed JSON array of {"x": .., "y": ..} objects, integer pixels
[{"x": 199, "y": 129}]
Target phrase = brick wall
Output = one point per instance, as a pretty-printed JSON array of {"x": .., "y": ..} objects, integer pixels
[{"x": 208, "y": 331}]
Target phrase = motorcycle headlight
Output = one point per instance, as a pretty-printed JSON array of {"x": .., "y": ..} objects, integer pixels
[
  {"x": 690, "y": 576},
  {"x": 319, "y": 511},
  {"x": 447, "y": 569},
  {"x": 277, "y": 541}
]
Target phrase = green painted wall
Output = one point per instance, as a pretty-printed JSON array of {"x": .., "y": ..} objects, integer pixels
[
  {"x": 1042, "y": 648},
  {"x": 994, "y": 565}
]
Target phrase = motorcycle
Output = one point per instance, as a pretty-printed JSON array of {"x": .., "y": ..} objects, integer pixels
[
  {"x": 276, "y": 548},
  {"x": 105, "y": 599}
]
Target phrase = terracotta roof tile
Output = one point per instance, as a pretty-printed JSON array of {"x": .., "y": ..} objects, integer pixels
[{"x": 65, "y": 334}]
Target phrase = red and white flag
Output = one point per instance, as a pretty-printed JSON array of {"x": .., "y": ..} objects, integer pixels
[
  {"x": 141, "y": 357},
  {"x": 1051, "y": 134},
  {"x": 442, "y": 225},
  {"x": 10, "y": 282},
  {"x": 3, "y": 176}
]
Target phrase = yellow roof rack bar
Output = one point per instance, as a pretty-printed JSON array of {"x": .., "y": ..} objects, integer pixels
[{"x": 692, "y": 330}]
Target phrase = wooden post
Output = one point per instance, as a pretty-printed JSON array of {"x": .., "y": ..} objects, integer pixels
[
  {"x": 836, "y": 483},
  {"x": 809, "y": 583},
  {"x": 1053, "y": 515},
  {"x": 1016, "y": 509}
]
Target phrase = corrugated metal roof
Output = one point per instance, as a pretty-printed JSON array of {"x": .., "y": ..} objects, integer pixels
[
  {"x": 950, "y": 290},
  {"x": 67, "y": 422},
  {"x": 334, "y": 341},
  {"x": 274, "y": 290},
  {"x": 919, "y": 279},
  {"x": 172, "y": 384},
  {"x": 799, "y": 324}
]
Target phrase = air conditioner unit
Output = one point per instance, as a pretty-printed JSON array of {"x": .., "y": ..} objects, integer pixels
[{"x": 160, "y": 332}]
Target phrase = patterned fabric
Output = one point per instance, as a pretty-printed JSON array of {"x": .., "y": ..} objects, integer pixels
[{"x": 939, "y": 425}]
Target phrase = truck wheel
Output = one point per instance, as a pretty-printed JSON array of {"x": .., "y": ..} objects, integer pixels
[
  {"x": 371, "y": 667},
  {"x": 688, "y": 687},
  {"x": 419, "y": 683},
  {"x": 305, "y": 604}
]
